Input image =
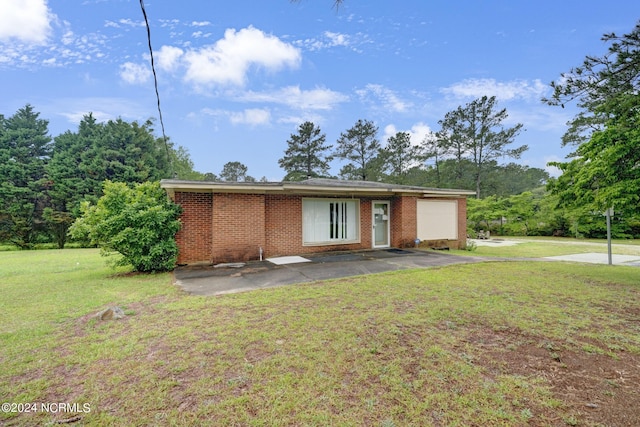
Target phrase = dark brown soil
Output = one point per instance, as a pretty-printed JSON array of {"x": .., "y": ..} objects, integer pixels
[{"x": 595, "y": 389}]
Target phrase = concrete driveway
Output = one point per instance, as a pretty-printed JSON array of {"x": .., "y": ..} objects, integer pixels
[{"x": 210, "y": 280}]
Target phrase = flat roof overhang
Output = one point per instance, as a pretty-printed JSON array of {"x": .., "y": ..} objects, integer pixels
[{"x": 343, "y": 189}]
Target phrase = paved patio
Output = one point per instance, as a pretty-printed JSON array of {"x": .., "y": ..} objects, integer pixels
[
  {"x": 209, "y": 280},
  {"x": 241, "y": 277}
]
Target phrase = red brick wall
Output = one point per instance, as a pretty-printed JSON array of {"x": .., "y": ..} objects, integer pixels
[
  {"x": 404, "y": 223},
  {"x": 238, "y": 227},
  {"x": 232, "y": 227},
  {"x": 284, "y": 227},
  {"x": 462, "y": 223},
  {"x": 366, "y": 224},
  {"x": 194, "y": 237}
]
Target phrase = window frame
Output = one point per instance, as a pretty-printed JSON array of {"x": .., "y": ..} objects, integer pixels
[{"x": 332, "y": 242}]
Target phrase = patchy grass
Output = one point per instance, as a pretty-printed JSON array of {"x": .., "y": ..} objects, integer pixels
[
  {"x": 543, "y": 247},
  {"x": 571, "y": 240},
  {"x": 485, "y": 344}
]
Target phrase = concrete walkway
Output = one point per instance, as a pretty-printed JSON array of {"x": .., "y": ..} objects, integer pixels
[
  {"x": 590, "y": 258},
  {"x": 598, "y": 258},
  {"x": 208, "y": 280},
  {"x": 232, "y": 278}
]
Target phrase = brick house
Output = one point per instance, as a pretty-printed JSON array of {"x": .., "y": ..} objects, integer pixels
[{"x": 240, "y": 221}]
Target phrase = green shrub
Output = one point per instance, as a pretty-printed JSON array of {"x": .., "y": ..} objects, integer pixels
[
  {"x": 140, "y": 223},
  {"x": 471, "y": 246}
]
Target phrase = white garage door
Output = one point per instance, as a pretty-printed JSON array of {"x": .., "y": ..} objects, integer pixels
[{"x": 437, "y": 219}]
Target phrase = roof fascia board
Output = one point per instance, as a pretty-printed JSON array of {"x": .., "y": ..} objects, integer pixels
[
  {"x": 214, "y": 187},
  {"x": 323, "y": 189},
  {"x": 171, "y": 186}
]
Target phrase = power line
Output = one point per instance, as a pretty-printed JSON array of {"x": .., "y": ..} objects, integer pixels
[{"x": 155, "y": 80}]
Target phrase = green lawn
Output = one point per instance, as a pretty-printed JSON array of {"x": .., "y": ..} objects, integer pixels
[
  {"x": 533, "y": 247},
  {"x": 482, "y": 344}
]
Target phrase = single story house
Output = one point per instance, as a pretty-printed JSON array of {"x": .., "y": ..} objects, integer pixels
[{"x": 241, "y": 221}]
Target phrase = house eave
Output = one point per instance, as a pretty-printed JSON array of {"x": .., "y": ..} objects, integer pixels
[
  {"x": 219, "y": 187},
  {"x": 309, "y": 189}
]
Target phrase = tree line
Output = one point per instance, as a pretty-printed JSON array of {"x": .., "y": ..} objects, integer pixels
[
  {"x": 45, "y": 180},
  {"x": 539, "y": 213},
  {"x": 603, "y": 171},
  {"x": 463, "y": 153}
]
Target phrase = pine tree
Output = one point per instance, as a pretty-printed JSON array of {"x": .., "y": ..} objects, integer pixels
[
  {"x": 306, "y": 155},
  {"x": 400, "y": 156},
  {"x": 475, "y": 132},
  {"x": 361, "y": 148},
  {"x": 25, "y": 148}
]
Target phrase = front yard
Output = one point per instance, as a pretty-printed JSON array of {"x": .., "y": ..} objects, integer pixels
[{"x": 516, "y": 343}]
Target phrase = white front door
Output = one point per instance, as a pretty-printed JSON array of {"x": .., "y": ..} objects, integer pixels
[{"x": 380, "y": 220}]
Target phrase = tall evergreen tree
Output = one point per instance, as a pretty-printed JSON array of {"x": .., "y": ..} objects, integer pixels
[
  {"x": 604, "y": 169},
  {"x": 24, "y": 152},
  {"x": 400, "y": 156},
  {"x": 359, "y": 145},
  {"x": 116, "y": 150},
  {"x": 235, "y": 172},
  {"x": 475, "y": 132},
  {"x": 602, "y": 86},
  {"x": 433, "y": 148},
  {"x": 306, "y": 155},
  {"x": 451, "y": 144}
]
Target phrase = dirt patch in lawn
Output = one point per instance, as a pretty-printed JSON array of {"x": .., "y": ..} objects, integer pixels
[{"x": 594, "y": 388}]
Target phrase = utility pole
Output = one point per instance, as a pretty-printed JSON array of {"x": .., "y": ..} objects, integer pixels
[{"x": 609, "y": 214}]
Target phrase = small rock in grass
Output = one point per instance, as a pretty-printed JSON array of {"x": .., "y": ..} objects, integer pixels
[{"x": 111, "y": 313}]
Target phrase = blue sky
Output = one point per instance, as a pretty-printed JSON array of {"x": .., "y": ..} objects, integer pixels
[{"x": 237, "y": 78}]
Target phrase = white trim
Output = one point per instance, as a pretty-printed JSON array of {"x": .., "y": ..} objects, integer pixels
[
  {"x": 373, "y": 223},
  {"x": 324, "y": 187},
  {"x": 333, "y": 242}
]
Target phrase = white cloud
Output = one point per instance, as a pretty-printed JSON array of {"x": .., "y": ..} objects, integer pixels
[
  {"x": 124, "y": 23},
  {"x": 68, "y": 37},
  {"x": 252, "y": 116},
  {"x": 337, "y": 39},
  {"x": 169, "y": 23},
  {"x": 228, "y": 61},
  {"x": 200, "y": 23},
  {"x": 131, "y": 23},
  {"x": 417, "y": 133},
  {"x": 327, "y": 40},
  {"x": 305, "y": 117},
  {"x": 200, "y": 35},
  {"x": 61, "y": 48},
  {"x": 76, "y": 116},
  {"x": 134, "y": 73},
  {"x": 540, "y": 117},
  {"x": 505, "y": 91},
  {"x": 28, "y": 21},
  {"x": 293, "y": 96},
  {"x": 380, "y": 94},
  {"x": 102, "y": 109},
  {"x": 168, "y": 58}
]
